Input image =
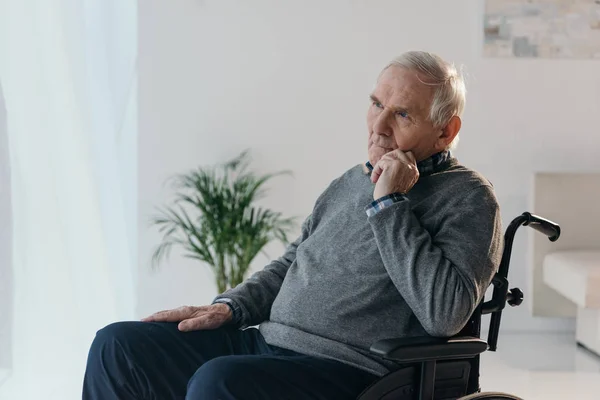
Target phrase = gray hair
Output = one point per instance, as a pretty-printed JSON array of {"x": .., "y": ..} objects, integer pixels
[{"x": 450, "y": 96}]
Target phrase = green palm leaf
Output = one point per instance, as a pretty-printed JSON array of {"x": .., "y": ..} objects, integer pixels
[{"x": 213, "y": 218}]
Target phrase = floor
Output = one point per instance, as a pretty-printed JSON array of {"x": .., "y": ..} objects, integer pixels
[{"x": 541, "y": 366}]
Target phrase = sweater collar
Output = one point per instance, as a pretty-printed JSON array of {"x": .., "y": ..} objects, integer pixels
[{"x": 427, "y": 166}]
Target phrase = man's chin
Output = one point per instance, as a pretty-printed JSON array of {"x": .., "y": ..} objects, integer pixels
[{"x": 376, "y": 154}]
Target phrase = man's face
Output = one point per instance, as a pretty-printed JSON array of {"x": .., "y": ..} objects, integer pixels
[{"x": 398, "y": 117}]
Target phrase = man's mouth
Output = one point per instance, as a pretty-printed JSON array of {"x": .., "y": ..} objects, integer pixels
[{"x": 383, "y": 147}]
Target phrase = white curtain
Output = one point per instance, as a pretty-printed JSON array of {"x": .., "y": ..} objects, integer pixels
[
  {"x": 68, "y": 72},
  {"x": 5, "y": 250}
]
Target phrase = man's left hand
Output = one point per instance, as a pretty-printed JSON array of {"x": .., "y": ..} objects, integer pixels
[{"x": 395, "y": 172}]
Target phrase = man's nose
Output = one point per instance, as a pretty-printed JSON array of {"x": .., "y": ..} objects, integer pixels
[{"x": 382, "y": 124}]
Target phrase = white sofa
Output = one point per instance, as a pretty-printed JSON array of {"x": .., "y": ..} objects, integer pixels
[
  {"x": 576, "y": 276},
  {"x": 565, "y": 276}
]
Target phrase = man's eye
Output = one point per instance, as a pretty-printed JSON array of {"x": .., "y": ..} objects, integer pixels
[
  {"x": 403, "y": 114},
  {"x": 377, "y": 104}
]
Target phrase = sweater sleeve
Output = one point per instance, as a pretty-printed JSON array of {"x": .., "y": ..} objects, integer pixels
[
  {"x": 442, "y": 275},
  {"x": 256, "y": 295}
]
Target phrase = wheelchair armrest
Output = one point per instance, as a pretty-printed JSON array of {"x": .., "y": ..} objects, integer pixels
[{"x": 419, "y": 349}]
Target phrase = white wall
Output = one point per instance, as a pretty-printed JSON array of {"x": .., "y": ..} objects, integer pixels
[{"x": 291, "y": 80}]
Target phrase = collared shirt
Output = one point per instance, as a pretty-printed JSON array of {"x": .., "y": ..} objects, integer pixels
[{"x": 425, "y": 167}]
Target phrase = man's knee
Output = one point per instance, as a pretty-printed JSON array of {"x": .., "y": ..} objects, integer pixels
[
  {"x": 109, "y": 346},
  {"x": 109, "y": 359},
  {"x": 221, "y": 378},
  {"x": 116, "y": 330},
  {"x": 107, "y": 338}
]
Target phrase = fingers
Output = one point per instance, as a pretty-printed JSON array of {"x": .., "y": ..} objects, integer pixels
[
  {"x": 408, "y": 156},
  {"x": 176, "y": 315},
  {"x": 391, "y": 157},
  {"x": 162, "y": 316},
  {"x": 151, "y": 318},
  {"x": 192, "y": 324},
  {"x": 206, "y": 321},
  {"x": 378, "y": 169}
]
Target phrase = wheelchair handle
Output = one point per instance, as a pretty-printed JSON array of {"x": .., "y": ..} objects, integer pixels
[
  {"x": 501, "y": 293},
  {"x": 542, "y": 225}
]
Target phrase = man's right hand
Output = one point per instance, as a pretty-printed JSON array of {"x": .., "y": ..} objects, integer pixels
[{"x": 195, "y": 318}]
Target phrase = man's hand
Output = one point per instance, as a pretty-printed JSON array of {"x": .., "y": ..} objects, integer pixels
[
  {"x": 195, "y": 318},
  {"x": 395, "y": 172}
]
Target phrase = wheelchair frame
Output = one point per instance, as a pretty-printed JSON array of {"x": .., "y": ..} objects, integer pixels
[{"x": 423, "y": 355}]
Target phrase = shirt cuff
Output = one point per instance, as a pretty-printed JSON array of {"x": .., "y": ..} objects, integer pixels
[
  {"x": 236, "y": 311},
  {"x": 384, "y": 202}
]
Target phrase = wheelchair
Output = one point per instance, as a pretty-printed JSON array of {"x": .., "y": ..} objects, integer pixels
[{"x": 448, "y": 368}]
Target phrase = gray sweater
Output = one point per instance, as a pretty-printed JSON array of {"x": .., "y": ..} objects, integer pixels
[{"x": 417, "y": 267}]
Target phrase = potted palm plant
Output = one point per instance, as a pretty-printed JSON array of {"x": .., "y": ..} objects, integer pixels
[{"x": 214, "y": 219}]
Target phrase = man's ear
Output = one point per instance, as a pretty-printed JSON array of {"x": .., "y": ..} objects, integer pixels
[{"x": 448, "y": 133}]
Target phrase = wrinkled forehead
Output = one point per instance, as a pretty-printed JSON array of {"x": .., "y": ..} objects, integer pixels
[{"x": 404, "y": 88}]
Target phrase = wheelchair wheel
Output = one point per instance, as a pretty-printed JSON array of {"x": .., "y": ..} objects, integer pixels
[{"x": 490, "y": 396}]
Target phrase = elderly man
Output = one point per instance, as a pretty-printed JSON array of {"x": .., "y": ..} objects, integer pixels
[{"x": 404, "y": 245}]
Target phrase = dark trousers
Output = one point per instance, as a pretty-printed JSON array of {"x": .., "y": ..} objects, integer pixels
[{"x": 153, "y": 360}]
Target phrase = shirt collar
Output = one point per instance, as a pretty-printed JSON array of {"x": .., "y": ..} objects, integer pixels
[{"x": 426, "y": 166}]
